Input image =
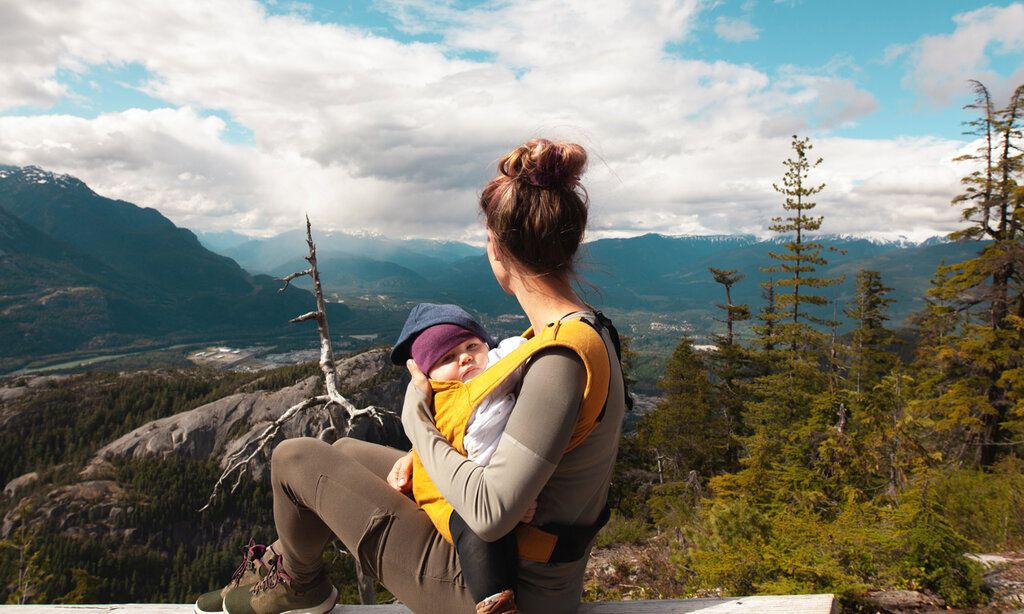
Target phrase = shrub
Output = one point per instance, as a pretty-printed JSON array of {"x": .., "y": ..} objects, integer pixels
[
  {"x": 622, "y": 530},
  {"x": 934, "y": 553},
  {"x": 985, "y": 506}
]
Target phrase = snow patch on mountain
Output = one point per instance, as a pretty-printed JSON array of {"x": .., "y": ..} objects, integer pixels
[{"x": 34, "y": 174}]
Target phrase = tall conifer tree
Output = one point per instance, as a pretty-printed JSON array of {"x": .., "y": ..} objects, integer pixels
[
  {"x": 989, "y": 289},
  {"x": 797, "y": 283},
  {"x": 870, "y": 343},
  {"x": 730, "y": 363},
  {"x": 685, "y": 431},
  {"x": 787, "y": 413}
]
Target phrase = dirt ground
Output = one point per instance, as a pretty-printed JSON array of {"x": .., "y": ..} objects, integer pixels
[{"x": 642, "y": 571}]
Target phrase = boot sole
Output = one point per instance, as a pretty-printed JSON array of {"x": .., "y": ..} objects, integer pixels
[
  {"x": 196, "y": 609},
  {"x": 323, "y": 608}
]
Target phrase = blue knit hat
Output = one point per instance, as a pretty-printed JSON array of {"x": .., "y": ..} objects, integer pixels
[{"x": 425, "y": 315}]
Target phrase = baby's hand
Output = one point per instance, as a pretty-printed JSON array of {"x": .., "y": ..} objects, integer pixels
[
  {"x": 400, "y": 477},
  {"x": 530, "y": 511}
]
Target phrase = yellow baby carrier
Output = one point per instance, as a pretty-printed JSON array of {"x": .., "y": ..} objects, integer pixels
[{"x": 454, "y": 402}]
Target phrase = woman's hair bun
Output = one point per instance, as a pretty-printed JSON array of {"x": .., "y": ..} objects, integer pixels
[
  {"x": 536, "y": 206},
  {"x": 550, "y": 165}
]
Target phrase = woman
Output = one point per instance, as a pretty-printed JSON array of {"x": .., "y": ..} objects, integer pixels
[{"x": 536, "y": 213}]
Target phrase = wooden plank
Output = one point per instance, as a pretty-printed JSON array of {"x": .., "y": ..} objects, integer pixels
[{"x": 773, "y": 604}]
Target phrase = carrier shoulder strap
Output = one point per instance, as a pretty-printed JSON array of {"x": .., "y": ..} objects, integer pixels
[
  {"x": 458, "y": 399},
  {"x": 603, "y": 323}
]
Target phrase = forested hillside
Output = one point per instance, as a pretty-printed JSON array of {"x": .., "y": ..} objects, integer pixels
[
  {"x": 83, "y": 523},
  {"x": 803, "y": 460},
  {"x": 81, "y": 272}
]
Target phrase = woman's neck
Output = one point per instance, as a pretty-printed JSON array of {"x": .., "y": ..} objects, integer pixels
[{"x": 545, "y": 299}]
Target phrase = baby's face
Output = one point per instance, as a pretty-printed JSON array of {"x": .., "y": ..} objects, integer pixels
[{"x": 462, "y": 362}]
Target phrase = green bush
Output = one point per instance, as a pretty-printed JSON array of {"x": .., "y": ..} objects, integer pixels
[
  {"x": 622, "y": 530},
  {"x": 933, "y": 553},
  {"x": 674, "y": 504},
  {"x": 985, "y": 506},
  {"x": 790, "y": 550},
  {"x": 727, "y": 546}
]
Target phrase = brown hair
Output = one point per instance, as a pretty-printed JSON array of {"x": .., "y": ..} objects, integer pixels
[{"x": 536, "y": 206}]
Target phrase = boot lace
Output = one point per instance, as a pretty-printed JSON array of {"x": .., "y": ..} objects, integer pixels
[
  {"x": 275, "y": 576},
  {"x": 253, "y": 554}
]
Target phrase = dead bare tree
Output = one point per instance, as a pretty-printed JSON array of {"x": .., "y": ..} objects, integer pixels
[{"x": 238, "y": 461}]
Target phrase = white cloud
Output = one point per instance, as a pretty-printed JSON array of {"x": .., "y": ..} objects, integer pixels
[
  {"x": 366, "y": 133},
  {"x": 827, "y": 96},
  {"x": 735, "y": 29},
  {"x": 30, "y": 46},
  {"x": 940, "y": 65}
]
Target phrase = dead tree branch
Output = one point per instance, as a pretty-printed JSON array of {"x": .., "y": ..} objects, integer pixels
[
  {"x": 239, "y": 460},
  {"x": 289, "y": 278}
]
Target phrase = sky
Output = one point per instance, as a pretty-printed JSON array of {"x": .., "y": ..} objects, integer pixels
[{"x": 389, "y": 116}]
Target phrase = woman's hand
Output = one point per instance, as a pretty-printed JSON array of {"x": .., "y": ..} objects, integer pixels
[
  {"x": 530, "y": 511},
  {"x": 400, "y": 477},
  {"x": 419, "y": 379}
]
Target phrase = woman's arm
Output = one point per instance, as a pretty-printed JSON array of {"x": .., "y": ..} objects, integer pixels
[{"x": 492, "y": 499}]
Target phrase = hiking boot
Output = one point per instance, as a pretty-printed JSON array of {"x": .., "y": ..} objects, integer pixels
[
  {"x": 501, "y": 603},
  {"x": 249, "y": 571},
  {"x": 277, "y": 593}
]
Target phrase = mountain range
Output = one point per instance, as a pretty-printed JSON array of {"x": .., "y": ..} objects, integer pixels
[
  {"x": 79, "y": 272},
  {"x": 663, "y": 277}
]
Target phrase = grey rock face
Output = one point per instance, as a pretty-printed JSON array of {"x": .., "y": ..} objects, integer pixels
[
  {"x": 22, "y": 386},
  {"x": 904, "y": 601},
  {"x": 96, "y": 506},
  {"x": 20, "y": 482},
  {"x": 221, "y": 427},
  {"x": 200, "y": 432},
  {"x": 78, "y": 510}
]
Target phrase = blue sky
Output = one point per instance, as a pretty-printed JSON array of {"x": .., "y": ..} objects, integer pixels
[
  {"x": 224, "y": 114},
  {"x": 852, "y": 39}
]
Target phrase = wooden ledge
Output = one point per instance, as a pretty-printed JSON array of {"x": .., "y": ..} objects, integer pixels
[{"x": 773, "y": 604}]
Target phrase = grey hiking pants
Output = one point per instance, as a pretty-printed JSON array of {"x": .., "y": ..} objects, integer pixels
[{"x": 322, "y": 490}]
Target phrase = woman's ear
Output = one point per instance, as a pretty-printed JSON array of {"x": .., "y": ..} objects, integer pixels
[
  {"x": 501, "y": 272},
  {"x": 492, "y": 253}
]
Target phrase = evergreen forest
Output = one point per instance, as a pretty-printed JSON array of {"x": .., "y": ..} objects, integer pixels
[{"x": 801, "y": 460}]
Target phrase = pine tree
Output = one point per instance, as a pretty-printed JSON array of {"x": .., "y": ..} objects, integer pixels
[
  {"x": 768, "y": 316},
  {"x": 987, "y": 355},
  {"x": 870, "y": 342},
  {"x": 685, "y": 431},
  {"x": 803, "y": 256},
  {"x": 860, "y": 453},
  {"x": 793, "y": 402},
  {"x": 733, "y": 312},
  {"x": 730, "y": 364}
]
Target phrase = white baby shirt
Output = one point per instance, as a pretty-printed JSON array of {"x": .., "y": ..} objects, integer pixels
[{"x": 488, "y": 420}]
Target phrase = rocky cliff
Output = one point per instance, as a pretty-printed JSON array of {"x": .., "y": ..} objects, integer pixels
[{"x": 91, "y": 503}]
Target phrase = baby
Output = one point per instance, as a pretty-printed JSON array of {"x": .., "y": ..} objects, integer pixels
[{"x": 448, "y": 344}]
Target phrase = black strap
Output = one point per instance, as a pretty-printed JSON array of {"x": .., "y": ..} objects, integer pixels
[
  {"x": 574, "y": 539},
  {"x": 602, "y": 322}
]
